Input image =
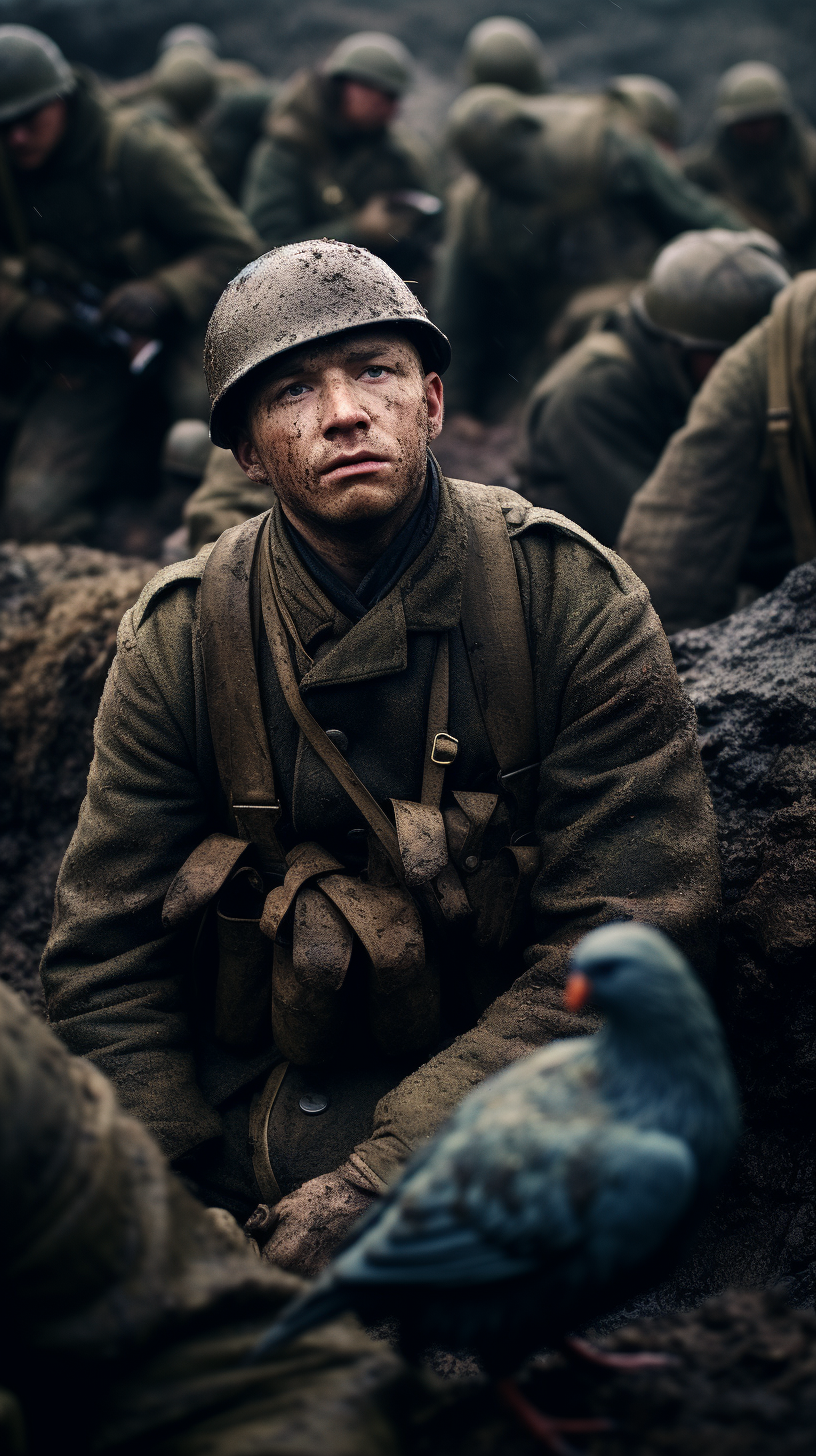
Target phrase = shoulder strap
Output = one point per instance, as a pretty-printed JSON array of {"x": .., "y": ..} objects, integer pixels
[
  {"x": 495, "y": 635},
  {"x": 233, "y": 698},
  {"x": 789, "y": 421}
]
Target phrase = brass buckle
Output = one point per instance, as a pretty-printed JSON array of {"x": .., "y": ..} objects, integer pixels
[{"x": 444, "y": 750}]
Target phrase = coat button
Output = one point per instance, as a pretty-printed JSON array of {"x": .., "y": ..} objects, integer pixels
[
  {"x": 338, "y": 738},
  {"x": 313, "y": 1102}
]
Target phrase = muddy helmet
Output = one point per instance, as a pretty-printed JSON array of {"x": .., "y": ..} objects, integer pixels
[
  {"x": 300, "y": 294},
  {"x": 185, "y": 77},
  {"x": 706, "y": 289},
  {"x": 374, "y": 58},
  {"x": 654, "y": 105},
  {"x": 199, "y": 36},
  {"x": 33, "y": 71},
  {"x": 505, "y": 52},
  {"x": 751, "y": 91},
  {"x": 186, "y": 449}
]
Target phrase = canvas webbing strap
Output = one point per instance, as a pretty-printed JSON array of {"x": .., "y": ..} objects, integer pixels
[
  {"x": 790, "y": 334},
  {"x": 495, "y": 636},
  {"x": 233, "y": 697}
]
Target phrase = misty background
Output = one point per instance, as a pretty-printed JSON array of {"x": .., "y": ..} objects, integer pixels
[{"x": 686, "y": 42}]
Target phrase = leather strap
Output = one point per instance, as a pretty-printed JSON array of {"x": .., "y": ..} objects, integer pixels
[
  {"x": 433, "y": 773},
  {"x": 259, "y": 1115},
  {"x": 789, "y": 421},
  {"x": 495, "y": 636},
  {"x": 233, "y": 698}
]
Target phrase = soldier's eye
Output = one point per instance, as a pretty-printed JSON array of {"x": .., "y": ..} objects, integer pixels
[
  {"x": 294, "y": 391},
  {"x": 376, "y": 371}
]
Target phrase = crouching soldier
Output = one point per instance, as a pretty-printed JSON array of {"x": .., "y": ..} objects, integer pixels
[{"x": 365, "y": 771}]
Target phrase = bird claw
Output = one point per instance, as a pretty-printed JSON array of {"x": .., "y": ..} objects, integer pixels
[
  {"x": 548, "y": 1430},
  {"x": 617, "y": 1360}
]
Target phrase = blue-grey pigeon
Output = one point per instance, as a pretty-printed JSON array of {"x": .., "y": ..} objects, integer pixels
[{"x": 561, "y": 1186}]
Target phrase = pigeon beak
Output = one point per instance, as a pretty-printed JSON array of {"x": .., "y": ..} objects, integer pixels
[{"x": 577, "y": 991}]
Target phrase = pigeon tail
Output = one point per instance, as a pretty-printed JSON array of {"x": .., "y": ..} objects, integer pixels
[{"x": 325, "y": 1299}]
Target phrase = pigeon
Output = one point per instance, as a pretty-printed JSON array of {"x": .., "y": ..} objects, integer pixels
[{"x": 560, "y": 1187}]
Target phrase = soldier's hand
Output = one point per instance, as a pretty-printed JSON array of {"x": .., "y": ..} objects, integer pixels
[
  {"x": 381, "y": 222},
  {"x": 41, "y": 319},
  {"x": 315, "y": 1219},
  {"x": 142, "y": 307}
]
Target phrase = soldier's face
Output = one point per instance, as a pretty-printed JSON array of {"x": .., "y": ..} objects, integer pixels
[
  {"x": 31, "y": 139},
  {"x": 341, "y": 431},
  {"x": 365, "y": 107}
]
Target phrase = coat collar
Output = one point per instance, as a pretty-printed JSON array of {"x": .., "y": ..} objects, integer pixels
[{"x": 426, "y": 599}]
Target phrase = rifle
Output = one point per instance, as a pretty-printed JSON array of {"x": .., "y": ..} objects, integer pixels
[{"x": 84, "y": 303}]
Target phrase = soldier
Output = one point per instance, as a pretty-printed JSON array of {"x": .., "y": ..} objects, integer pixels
[
  {"x": 407, "y": 738},
  {"x": 115, "y": 243},
  {"x": 598, "y": 421},
  {"x": 334, "y": 164},
  {"x": 135, "y": 1308},
  {"x": 654, "y": 106},
  {"x": 762, "y": 158},
  {"x": 730, "y": 504},
  {"x": 564, "y": 192},
  {"x": 504, "y": 52}
]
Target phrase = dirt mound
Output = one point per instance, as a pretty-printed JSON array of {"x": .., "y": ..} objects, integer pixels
[{"x": 59, "y": 610}]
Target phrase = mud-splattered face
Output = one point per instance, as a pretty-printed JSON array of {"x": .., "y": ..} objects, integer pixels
[{"x": 341, "y": 431}]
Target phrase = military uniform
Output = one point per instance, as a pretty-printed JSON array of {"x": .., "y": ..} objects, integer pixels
[
  {"x": 224, "y": 498},
  {"x": 135, "y": 1310},
  {"x": 715, "y": 513},
  {"x": 773, "y": 186},
  {"x": 119, "y": 199},
  {"x": 598, "y": 421},
  {"x": 584, "y": 198},
  {"x": 312, "y": 172}
]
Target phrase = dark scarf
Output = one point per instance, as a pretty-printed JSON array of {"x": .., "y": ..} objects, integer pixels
[{"x": 385, "y": 573}]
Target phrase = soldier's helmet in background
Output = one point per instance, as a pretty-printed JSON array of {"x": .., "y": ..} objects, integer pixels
[
  {"x": 374, "y": 58},
  {"x": 654, "y": 105},
  {"x": 706, "y": 289},
  {"x": 501, "y": 51},
  {"x": 33, "y": 71},
  {"x": 750, "y": 91}
]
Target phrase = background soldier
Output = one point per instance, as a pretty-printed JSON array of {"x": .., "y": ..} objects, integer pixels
[
  {"x": 565, "y": 191},
  {"x": 654, "y": 105},
  {"x": 762, "y": 158},
  {"x": 115, "y": 239},
  {"x": 397, "y": 960},
  {"x": 505, "y": 52},
  {"x": 599, "y": 420},
  {"x": 333, "y": 163},
  {"x": 730, "y": 504}
]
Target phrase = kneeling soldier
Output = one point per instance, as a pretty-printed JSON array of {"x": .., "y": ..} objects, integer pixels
[{"x": 365, "y": 770}]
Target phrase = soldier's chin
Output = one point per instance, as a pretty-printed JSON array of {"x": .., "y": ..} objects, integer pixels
[{"x": 365, "y": 498}]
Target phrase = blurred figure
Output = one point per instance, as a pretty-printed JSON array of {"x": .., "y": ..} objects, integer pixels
[
  {"x": 729, "y": 510},
  {"x": 653, "y": 105},
  {"x": 505, "y": 52},
  {"x": 224, "y": 498},
  {"x": 599, "y": 420},
  {"x": 564, "y": 192},
  {"x": 115, "y": 244},
  {"x": 762, "y": 158},
  {"x": 334, "y": 163}
]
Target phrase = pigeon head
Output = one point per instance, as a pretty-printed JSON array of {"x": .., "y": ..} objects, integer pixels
[{"x": 634, "y": 976}]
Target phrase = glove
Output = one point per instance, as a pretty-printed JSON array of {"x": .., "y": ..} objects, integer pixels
[
  {"x": 142, "y": 308},
  {"x": 313, "y": 1221}
]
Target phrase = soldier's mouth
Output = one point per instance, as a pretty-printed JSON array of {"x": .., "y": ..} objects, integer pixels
[{"x": 363, "y": 463}]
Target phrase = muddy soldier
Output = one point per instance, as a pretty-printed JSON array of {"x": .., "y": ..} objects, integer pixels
[
  {"x": 335, "y": 163},
  {"x": 563, "y": 192},
  {"x": 730, "y": 504},
  {"x": 364, "y": 771},
  {"x": 115, "y": 238},
  {"x": 762, "y": 158},
  {"x": 598, "y": 421}
]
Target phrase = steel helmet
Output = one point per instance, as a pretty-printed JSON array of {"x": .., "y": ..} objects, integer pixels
[
  {"x": 706, "y": 289},
  {"x": 186, "y": 449},
  {"x": 298, "y": 295},
  {"x": 185, "y": 77},
  {"x": 654, "y": 105},
  {"x": 374, "y": 58},
  {"x": 199, "y": 36},
  {"x": 750, "y": 91},
  {"x": 505, "y": 52},
  {"x": 33, "y": 71}
]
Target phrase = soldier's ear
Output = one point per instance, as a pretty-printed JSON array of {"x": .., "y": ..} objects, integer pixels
[
  {"x": 435, "y": 398},
  {"x": 250, "y": 461}
]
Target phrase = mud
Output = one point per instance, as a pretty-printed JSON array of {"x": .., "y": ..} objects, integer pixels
[{"x": 59, "y": 611}]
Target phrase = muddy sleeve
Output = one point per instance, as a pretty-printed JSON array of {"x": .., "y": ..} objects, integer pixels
[
  {"x": 586, "y": 439},
  {"x": 134, "y": 1307},
  {"x": 113, "y": 979},
  {"x": 624, "y": 820},
  {"x": 687, "y": 528},
  {"x": 207, "y": 236},
  {"x": 277, "y": 198}
]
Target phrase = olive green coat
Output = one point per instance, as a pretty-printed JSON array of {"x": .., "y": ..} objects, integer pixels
[
  {"x": 309, "y": 175},
  {"x": 712, "y": 514},
  {"x": 225, "y": 498},
  {"x": 624, "y": 818},
  {"x": 509, "y": 263},
  {"x": 129, "y": 1310},
  {"x": 125, "y": 197}
]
